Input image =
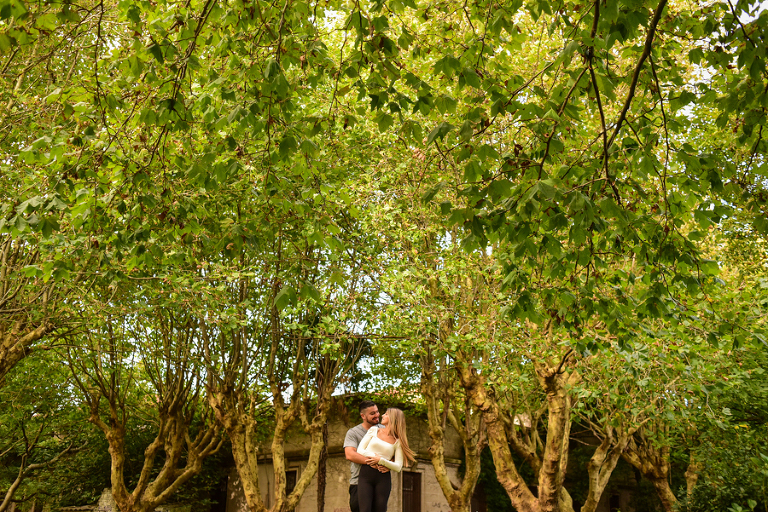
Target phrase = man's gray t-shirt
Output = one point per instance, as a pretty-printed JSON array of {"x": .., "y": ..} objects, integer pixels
[{"x": 353, "y": 438}]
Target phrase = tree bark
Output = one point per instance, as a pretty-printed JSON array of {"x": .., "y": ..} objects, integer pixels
[
  {"x": 322, "y": 471},
  {"x": 651, "y": 458},
  {"x": 470, "y": 432},
  {"x": 521, "y": 496},
  {"x": 551, "y": 495},
  {"x": 554, "y": 462},
  {"x": 25, "y": 303},
  {"x": 176, "y": 400},
  {"x": 692, "y": 475},
  {"x": 241, "y": 429},
  {"x": 601, "y": 465},
  {"x": 663, "y": 490},
  {"x": 173, "y": 439},
  {"x": 17, "y": 342}
]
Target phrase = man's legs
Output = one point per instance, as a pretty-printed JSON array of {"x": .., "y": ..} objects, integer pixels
[{"x": 354, "y": 505}]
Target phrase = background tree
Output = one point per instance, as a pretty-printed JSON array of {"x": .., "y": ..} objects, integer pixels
[
  {"x": 40, "y": 425},
  {"x": 294, "y": 314},
  {"x": 146, "y": 360}
]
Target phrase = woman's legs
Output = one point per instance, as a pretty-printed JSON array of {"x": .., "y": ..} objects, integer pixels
[
  {"x": 373, "y": 488},
  {"x": 383, "y": 488},
  {"x": 365, "y": 489}
]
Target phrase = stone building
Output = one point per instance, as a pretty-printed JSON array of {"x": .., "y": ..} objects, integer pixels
[{"x": 415, "y": 489}]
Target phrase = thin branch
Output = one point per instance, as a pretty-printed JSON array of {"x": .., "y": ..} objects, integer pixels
[
  {"x": 633, "y": 85},
  {"x": 743, "y": 29}
]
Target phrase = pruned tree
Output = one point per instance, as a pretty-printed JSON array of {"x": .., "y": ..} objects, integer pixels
[
  {"x": 440, "y": 388},
  {"x": 146, "y": 361},
  {"x": 276, "y": 359}
]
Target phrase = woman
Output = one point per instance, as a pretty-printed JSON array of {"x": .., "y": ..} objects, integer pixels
[{"x": 387, "y": 447}]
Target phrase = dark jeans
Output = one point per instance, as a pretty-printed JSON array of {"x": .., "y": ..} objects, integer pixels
[
  {"x": 354, "y": 505},
  {"x": 373, "y": 488}
]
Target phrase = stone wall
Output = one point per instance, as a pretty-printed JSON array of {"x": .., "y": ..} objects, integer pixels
[{"x": 337, "y": 472}]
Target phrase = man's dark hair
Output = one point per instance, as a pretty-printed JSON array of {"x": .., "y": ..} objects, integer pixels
[{"x": 365, "y": 404}]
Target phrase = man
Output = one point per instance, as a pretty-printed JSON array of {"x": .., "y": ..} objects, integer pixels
[{"x": 370, "y": 416}]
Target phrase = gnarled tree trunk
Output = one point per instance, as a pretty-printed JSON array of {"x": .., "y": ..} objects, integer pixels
[
  {"x": 692, "y": 475},
  {"x": 235, "y": 406},
  {"x": 25, "y": 303},
  {"x": 106, "y": 382},
  {"x": 601, "y": 465},
  {"x": 437, "y": 393},
  {"x": 551, "y": 465},
  {"x": 651, "y": 458}
]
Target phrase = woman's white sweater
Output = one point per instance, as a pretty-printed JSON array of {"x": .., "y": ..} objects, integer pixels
[{"x": 372, "y": 446}]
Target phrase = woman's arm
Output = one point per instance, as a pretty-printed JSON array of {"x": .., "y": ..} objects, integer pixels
[
  {"x": 397, "y": 464},
  {"x": 363, "y": 446}
]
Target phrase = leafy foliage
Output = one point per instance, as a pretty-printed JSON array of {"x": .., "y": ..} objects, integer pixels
[{"x": 532, "y": 199}]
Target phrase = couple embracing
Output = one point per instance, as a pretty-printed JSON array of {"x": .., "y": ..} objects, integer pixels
[{"x": 374, "y": 448}]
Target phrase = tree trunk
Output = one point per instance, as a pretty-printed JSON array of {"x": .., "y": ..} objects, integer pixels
[
  {"x": 692, "y": 475},
  {"x": 240, "y": 427},
  {"x": 552, "y": 496},
  {"x": 322, "y": 471},
  {"x": 459, "y": 499},
  {"x": 600, "y": 467},
  {"x": 521, "y": 496},
  {"x": 174, "y": 439},
  {"x": 148, "y": 495},
  {"x": 25, "y": 302},
  {"x": 652, "y": 460},
  {"x": 16, "y": 344},
  {"x": 552, "y": 471},
  {"x": 667, "y": 497},
  {"x": 245, "y": 454}
]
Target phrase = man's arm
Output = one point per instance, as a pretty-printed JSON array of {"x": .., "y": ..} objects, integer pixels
[{"x": 350, "y": 452}]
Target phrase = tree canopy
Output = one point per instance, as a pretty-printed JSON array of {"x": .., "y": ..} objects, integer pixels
[{"x": 214, "y": 214}]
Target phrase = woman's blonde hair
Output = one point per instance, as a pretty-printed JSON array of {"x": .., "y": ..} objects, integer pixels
[{"x": 397, "y": 429}]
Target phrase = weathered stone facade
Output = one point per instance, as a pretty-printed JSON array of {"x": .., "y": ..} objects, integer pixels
[{"x": 422, "y": 492}]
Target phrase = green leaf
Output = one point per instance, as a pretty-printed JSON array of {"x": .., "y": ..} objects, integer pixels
[
  {"x": 5, "y": 43},
  {"x": 358, "y": 22},
  {"x": 413, "y": 131},
  {"x": 384, "y": 121},
  {"x": 285, "y": 297},
  {"x": 134, "y": 14},
  {"x": 432, "y": 192},
  {"x": 709, "y": 267},
  {"x": 471, "y": 77},
  {"x": 547, "y": 188},
  {"x": 31, "y": 271},
  {"x": 46, "y": 22},
  {"x": 20, "y": 223},
  {"x": 157, "y": 53},
  {"x": 684, "y": 99},
  {"x": 466, "y": 131},
  {"x": 288, "y": 146},
  {"x": 441, "y": 130},
  {"x": 472, "y": 171},
  {"x": 405, "y": 39},
  {"x": 272, "y": 69}
]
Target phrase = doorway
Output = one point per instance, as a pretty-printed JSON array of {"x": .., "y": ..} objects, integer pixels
[{"x": 411, "y": 491}]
